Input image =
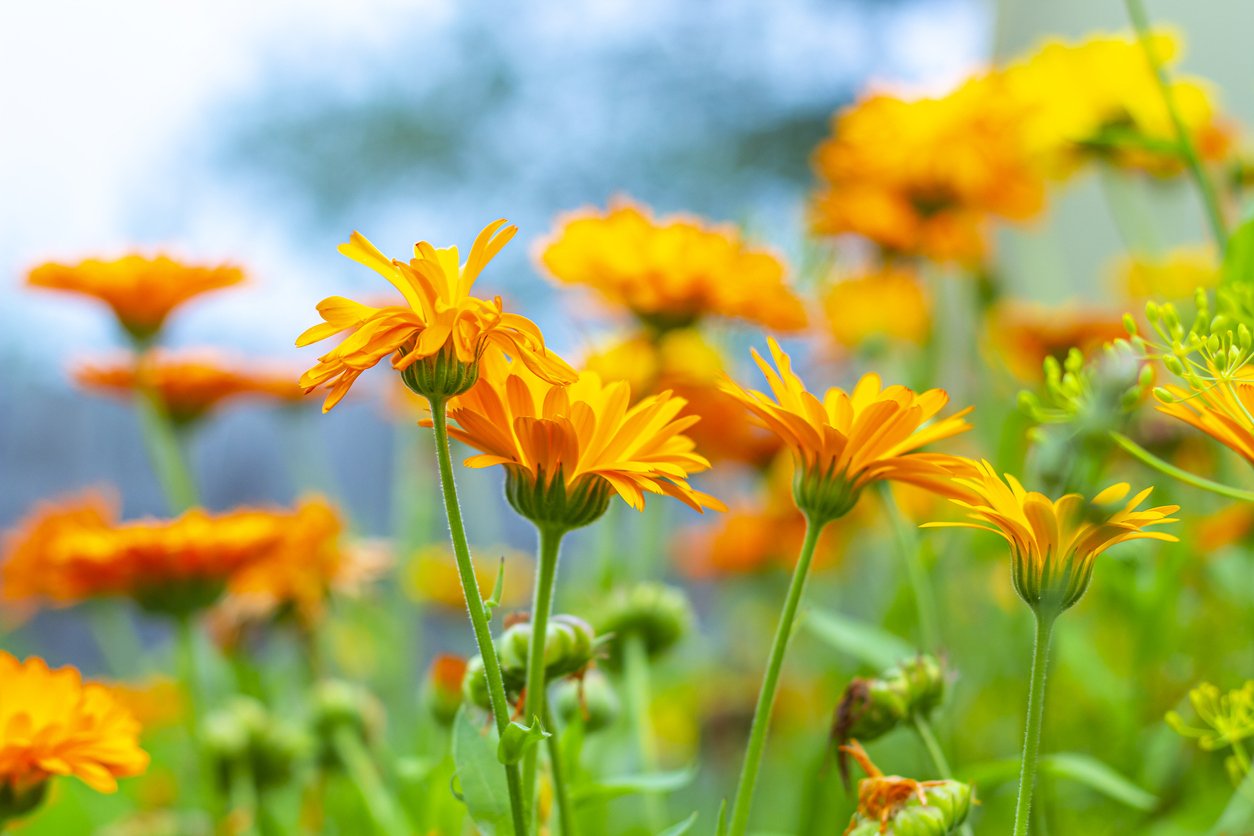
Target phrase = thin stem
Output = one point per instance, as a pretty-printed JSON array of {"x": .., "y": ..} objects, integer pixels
[
  {"x": 359, "y": 766},
  {"x": 549, "y": 548},
  {"x": 1185, "y": 476},
  {"x": 165, "y": 450},
  {"x": 923, "y": 728},
  {"x": 115, "y": 635},
  {"x": 189, "y": 674},
  {"x": 770, "y": 683},
  {"x": 639, "y": 699},
  {"x": 1210, "y": 200},
  {"x": 1035, "y": 713},
  {"x": 474, "y": 606},
  {"x": 908, "y": 544},
  {"x": 565, "y": 809}
]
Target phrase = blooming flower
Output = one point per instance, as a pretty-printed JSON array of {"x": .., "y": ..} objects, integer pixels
[
  {"x": 1053, "y": 543},
  {"x": 885, "y": 304},
  {"x": 1021, "y": 336},
  {"x": 1175, "y": 275},
  {"x": 573, "y": 446},
  {"x": 437, "y": 337},
  {"x": 670, "y": 272},
  {"x": 142, "y": 291},
  {"x": 849, "y": 440},
  {"x": 1223, "y": 409},
  {"x": 53, "y": 723}
]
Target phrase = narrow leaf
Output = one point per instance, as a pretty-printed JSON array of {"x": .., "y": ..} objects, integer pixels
[
  {"x": 868, "y": 644},
  {"x": 653, "y": 782},
  {"x": 1070, "y": 766},
  {"x": 681, "y": 828},
  {"x": 518, "y": 738}
]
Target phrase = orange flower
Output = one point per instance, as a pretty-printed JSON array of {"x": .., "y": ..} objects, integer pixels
[
  {"x": 189, "y": 384},
  {"x": 441, "y": 325},
  {"x": 1023, "y": 335},
  {"x": 53, "y": 723},
  {"x": 671, "y": 271},
  {"x": 142, "y": 291},
  {"x": 584, "y": 441},
  {"x": 847, "y": 441},
  {"x": 1224, "y": 410},
  {"x": 886, "y": 304}
]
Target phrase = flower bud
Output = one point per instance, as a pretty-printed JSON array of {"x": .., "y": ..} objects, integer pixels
[
  {"x": 589, "y": 699},
  {"x": 871, "y": 708},
  {"x": 475, "y": 684},
  {"x": 653, "y": 613},
  {"x": 569, "y": 645},
  {"x": 891, "y": 804},
  {"x": 445, "y": 679},
  {"x": 244, "y": 733},
  {"x": 337, "y": 705}
]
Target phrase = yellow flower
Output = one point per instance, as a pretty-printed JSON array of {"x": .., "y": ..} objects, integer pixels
[
  {"x": 142, "y": 291},
  {"x": 886, "y": 304},
  {"x": 566, "y": 449},
  {"x": 849, "y": 440},
  {"x": 671, "y": 271},
  {"x": 190, "y": 384},
  {"x": 156, "y": 702},
  {"x": 431, "y": 575},
  {"x": 1176, "y": 275},
  {"x": 925, "y": 176},
  {"x": 1053, "y": 543},
  {"x": 52, "y": 723},
  {"x": 1022, "y": 335},
  {"x": 438, "y": 336},
  {"x": 1224, "y": 410},
  {"x": 1098, "y": 98}
]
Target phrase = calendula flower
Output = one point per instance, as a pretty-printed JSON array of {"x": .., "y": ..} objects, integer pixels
[
  {"x": 1054, "y": 542},
  {"x": 53, "y": 723},
  {"x": 76, "y": 550},
  {"x": 893, "y": 804},
  {"x": 190, "y": 385},
  {"x": 437, "y": 337},
  {"x": 1097, "y": 99},
  {"x": 1223, "y": 409},
  {"x": 671, "y": 271},
  {"x": 1174, "y": 275},
  {"x": 1021, "y": 335},
  {"x": 885, "y": 305},
  {"x": 430, "y": 576},
  {"x": 850, "y": 440},
  {"x": 925, "y": 176},
  {"x": 142, "y": 291},
  {"x": 568, "y": 449}
]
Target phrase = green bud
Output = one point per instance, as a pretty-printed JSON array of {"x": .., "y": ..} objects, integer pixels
[
  {"x": 244, "y": 734},
  {"x": 947, "y": 805},
  {"x": 653, "y": 613},
  {"x": 1129, "y": 325},
  {"x": 589, "y": 699},
  {"x": 338, "y": 704},
  {"x": 569, "y": 645},
  {"x": 871, "y": 708},
  {"x": 475, "y": 684}
]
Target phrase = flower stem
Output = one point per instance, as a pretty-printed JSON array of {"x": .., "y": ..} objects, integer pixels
[
  {"x": 1146, "y": 457},
  {"x": 639, "y": 696},
  {"x": 1035, "y": 713},
  {"x": 923, "y": 728},
  {"x": 1210, "y": 200},
  {"x": 548, "y": 551},
  {"x": 382, "y": 808},
  {"x": 189, "y": 674},
  {"x": 474, "y": 605},
  {"x": 908, "y": 545},
  {"x": 770, "y": 683},
  {"x": 565, "y": 809},
  {"x": 166, "y": 451}
]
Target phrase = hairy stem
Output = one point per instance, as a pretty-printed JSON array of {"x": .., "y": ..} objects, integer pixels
[
  {"x": 534, "y": 705},
  {"x": 1035, "y": 714}
]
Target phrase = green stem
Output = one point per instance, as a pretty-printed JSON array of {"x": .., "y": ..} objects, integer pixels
[
  {"x": 242, "y": 792},
  {"x": 474, "y": 606},
  {"x": 908, "y": 545},
  {"x": 565, "y": 809},
  {"x": 1035, "y": 713},
  {"x": 115, "y": 635},
  {"x": 359, "y": 766},
  {"x": 1177, "y": 473},
  {"x": 549, "y": 548},
  {"x": 1210, "y": 200},
  {"x": 639, "y": 697},
  {"x": 923, "y": 728},
  {"x": 166, "y": 451},
  {"x": 189, "y": 674},
  {"x": 770, "y": 683}
]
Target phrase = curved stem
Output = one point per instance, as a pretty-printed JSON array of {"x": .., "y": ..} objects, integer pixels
[
  {"x": 1210, "y": 200},
  {"x": 541, "y": 606},
  {"x": 361, "y": 770},
  {"x": 1035, "y": 713},
  {"x": 908, "y": 545},
  {"x": 1146, "y": 457},
  {"x": 636, "y": 677},
  {"x": 474, "y": 606},
  {"x": 565, "y": 809},
  {"x": 770, "y": 683}
]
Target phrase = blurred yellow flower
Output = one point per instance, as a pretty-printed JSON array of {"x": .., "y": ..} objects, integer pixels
[
  {"x": 885, "y": 304},
  {"x": 1173, "y": 276},
  {"x": 849, "y": 440},
  {"x": 156, "y": 702},
  {"x": 1021, "y": 335},
  {"x": 924, "y": 176},
  {"x": 431, "y": 576},
  {"x": 440, "y": 323},
  {"x": 1228, "y": 718},
  {"x": 142, "y": 291},
  {"x": 52, "y": 723},
  {"x": 671, "y": 271},
  {"x": 1224, "y": 410}
]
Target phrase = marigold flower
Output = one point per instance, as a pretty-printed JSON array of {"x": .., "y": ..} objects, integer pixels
[
  {"x": 190, "y": 385},
  {"x": 438, "y": 337},
  {"x": 1023, "y": 335},
  {"x": 53, "y": 723},
  {"x": 142, "y": 291},
  {"x": 1224, "y": 410},
  {"x": 567, "y": 449},
  {"x": 849, "y": 440},
  {"x": 886, "y": 304},
  {"x": 1054, "y": 543},
  {"x": 1175, "y": 275},
  {"x": 671, "y": 271}
]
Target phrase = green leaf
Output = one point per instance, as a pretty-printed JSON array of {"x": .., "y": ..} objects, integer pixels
[
  {"x": 721, "y": 828},
  {"x": 1238, "y": 816},
  {"x": 480, "y": 775},
  {"x": 518, "y": 738},
  {"x": 681, "y": 828},
  {"x": 652, "y": 782},
  {"x": 865, "y": 642},
  {"x": 1071, "y": 766},
  {"x": 1238, "y": 264},
  {"x": 497, "y": 590}
]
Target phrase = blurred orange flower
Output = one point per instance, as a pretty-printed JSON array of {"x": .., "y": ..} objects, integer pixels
[
  {"x": 671, "y": 271},
  {"x": 52, "y": 723},
  {"x": 142, "y": 291},
  {"x": 887, "y": 304},
  {"x": 1022, "y": 335}
]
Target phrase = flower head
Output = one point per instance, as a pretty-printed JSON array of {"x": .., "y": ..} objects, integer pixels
[
  {"x": 53, "y": 723},
  {"x": 904, "y": 804},
  {"x": 849, "y": 440},
  {"x": 670, "y": 272},
  {"x": 438, "y": 336},
  {"x": 1054, "y": 542},
  {"x": 142, "y": 291},
  {"x": 889, "y": 304},
  {"x": 1176, "y": 275},
  {"x": 1224, "y": 410},
  {"x": 567, "y": 449}
]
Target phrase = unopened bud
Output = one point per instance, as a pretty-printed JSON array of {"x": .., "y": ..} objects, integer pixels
[
  {"x": 444, "y": 687},
  {"x": 589, "y": 699},
  {"x": 569, "y": 645},
  {"x": 338, "y": 705},
  {"x": 654, "y": 614}
]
